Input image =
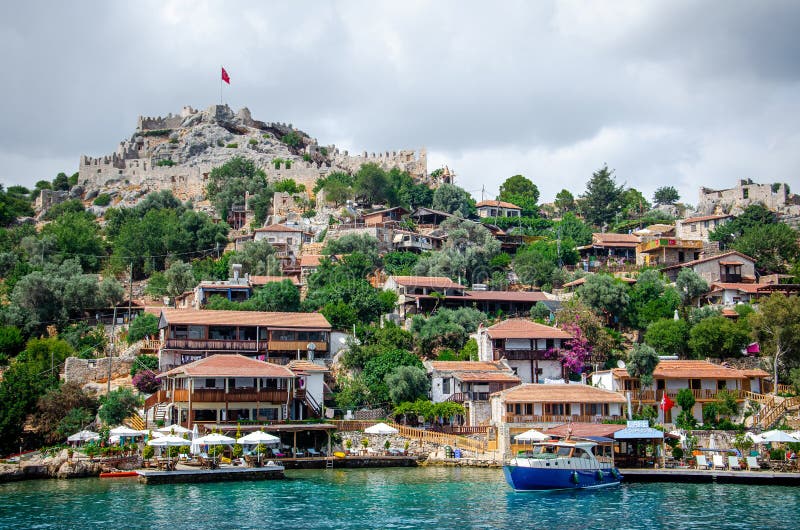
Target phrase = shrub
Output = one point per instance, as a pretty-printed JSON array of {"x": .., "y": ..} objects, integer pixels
[
  {"x": 146, "y": 324},
  {"x": 677, "y": 453},
  {"x": 173, "y": 140},
  {"x": 104, "y": 199},
  {"x": 167, "y": 162},
  {"x": 252, "y": 141},
  {"x": 306, "y": 157},
  {"x": 157, "y": 132},
  {"x": 292, "y": 139},
  {"x": 237, "y": 451},
  {"x": 232, "y": 145},
  {"x": 146, "y": 381},
  {"x": 144, "y": 362},
  {"x": 148, "y": 452}
]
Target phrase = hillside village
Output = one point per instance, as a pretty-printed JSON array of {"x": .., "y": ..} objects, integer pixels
[{"x": 218, "y": 270}]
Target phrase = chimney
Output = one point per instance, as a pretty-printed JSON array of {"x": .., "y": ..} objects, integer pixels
[{"x": 237, "y": 270}]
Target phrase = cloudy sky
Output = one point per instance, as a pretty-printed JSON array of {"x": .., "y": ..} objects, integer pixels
[{"x": 681, "y": 93}]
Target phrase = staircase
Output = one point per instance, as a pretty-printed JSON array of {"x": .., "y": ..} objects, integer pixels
[
  {"x": 135, "y": 422},
  {"x": 771, "y": 414},
  {"x": 440, "y": 438},
  {"x": 160, "y": 413}
]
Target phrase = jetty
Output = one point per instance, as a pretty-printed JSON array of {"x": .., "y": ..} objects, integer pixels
[
  {"x": 765, "y": 477},
  {"x": 224, "y": 474}
]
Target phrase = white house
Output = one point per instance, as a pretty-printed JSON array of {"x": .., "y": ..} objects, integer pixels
[
  {"x": 287, "y": 240},
  {"x": 498, "y": 209},
  {"x": 469, "y": 383},
  {"x": 526, "y": 346},
  {"x": 699, "y": 227},
  {"x": 310, "y": 383}
]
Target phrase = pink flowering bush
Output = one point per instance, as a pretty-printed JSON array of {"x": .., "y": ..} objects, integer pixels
[{"x": 146, "y": 381}]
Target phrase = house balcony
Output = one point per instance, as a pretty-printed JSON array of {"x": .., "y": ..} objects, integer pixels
[
  {"x": 463, "y": 397},
  {"x": 218, "y": 395},
  {"x": 654, "y": 396},
  {"x": 242, "y": 346},
  {"x": 523, "y": 355},
  {"x": 556, "y": 418}
]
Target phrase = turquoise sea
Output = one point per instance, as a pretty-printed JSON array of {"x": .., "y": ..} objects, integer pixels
[{"x": 390, "y": 498}]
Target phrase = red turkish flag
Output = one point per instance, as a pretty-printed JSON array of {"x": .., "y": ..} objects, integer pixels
[
  {"x": 666, "y": 403},
  {"x": 225, "y": 76}
]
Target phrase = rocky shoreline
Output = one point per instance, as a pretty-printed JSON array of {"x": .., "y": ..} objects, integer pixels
[{"x": 61, "y": 466}]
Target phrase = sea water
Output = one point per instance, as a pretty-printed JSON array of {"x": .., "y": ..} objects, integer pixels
[{"x": 431, "y": 497}]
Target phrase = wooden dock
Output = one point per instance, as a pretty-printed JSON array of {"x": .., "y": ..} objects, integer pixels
[
  {"x": 764, "y": 477},
  {"x": 223, "y": 474}
]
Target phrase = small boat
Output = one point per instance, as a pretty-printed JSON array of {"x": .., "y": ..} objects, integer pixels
[
  {"x": 562, "y": 465},
  {"x": 119, "y": 474}
]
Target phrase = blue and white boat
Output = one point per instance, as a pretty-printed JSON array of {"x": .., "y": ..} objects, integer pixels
[{"x": 562, "y": 465}]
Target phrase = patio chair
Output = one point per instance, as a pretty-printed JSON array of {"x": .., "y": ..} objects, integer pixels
[
  {"x": 719, "y": 462},
  {"x": 752, "y": 464},
  {"x": 313, "y": 452},
  {"x": 733, "y": 463},
  {"x": 702, "y": 463}
]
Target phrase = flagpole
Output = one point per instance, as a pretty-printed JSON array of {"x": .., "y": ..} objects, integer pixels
[{"x": 220, "y": 84}]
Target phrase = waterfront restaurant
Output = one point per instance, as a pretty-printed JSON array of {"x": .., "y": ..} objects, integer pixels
[
  {"x": 190, "y": 335},
  {"x": 527, "y": 406},
  {"x": 225, "y": 389}
]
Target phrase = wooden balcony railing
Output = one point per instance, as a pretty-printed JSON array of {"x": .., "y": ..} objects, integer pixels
[
  {"x": 156, "y": 398},
  {"x": 699, "y": 394},
  {"x": 461, "y": 397},
  {"x": 214, "y": 395},
  {"x": 294, "y": 345},
  {"x": 522, "y": 355},
  {"x": 555, "y": 418},
  {"x": 216, "y": 345}
]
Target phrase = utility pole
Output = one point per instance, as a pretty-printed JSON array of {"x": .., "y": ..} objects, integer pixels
[
  {"x": 130, "y": 294},
  {"x": 111, "y": 352}
]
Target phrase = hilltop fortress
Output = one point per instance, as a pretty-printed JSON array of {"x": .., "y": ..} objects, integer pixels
[{"x": 177, "y": 152}]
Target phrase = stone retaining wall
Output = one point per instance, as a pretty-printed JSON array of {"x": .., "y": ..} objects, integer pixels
[{"x": 84, "y": 371}]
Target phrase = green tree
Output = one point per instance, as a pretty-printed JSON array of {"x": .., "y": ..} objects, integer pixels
[
  {"x": 690, "y": 285},
  {"x": 606, "y": 294},
  {"x": 157, "y": 284},
  {"x": 61, "y": 410},
  {"x": 400, "y": 263},
  {"x": 777, "y": 328},
  {"x": 180, "y": 278},
  {"x": 686, "y": 401},
  {"x": 774, "y": 246},
  {"x": 289, "y": 186},
  {"x": 666, "y": 195},
  {"x": 633, "y": 203},
  {"x": 717, "y": 337},
  {"x": 77, "y": 234},
  {"x": 754, "y": 215},
  {"x": 452, "y": 199},
  {"x": 371, "y": 185},
  {"x": 466, "y": 255},
  {"x": 565, "y": 201},
  {"x": 572, "y": 230},
  {"x": 277, "y": 296},
  {"x": 20, "y": 388},
  {"x": 668, "y": 336},
  {"x": 118, "y": 405},
  {"x": 11, "y": 343},
  {"x": 521, "y": 192},
  {"x": 447, "y": 328},
  {"x": 256, "y": 258},
  {"x": 602, "y": 198},
  {"x": 353, "y": 392},
  {"x": 377, "y": 368},
  {"x": 144, "y": 325},
  {"x": 407, "y": 383},
  {"x": 642, "y": 362}
]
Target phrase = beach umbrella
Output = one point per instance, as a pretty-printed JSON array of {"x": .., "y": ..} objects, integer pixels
[
  {"x": 196, "y": 450},
  {"x": 124, "y": 431},
  {"x": 83, "y": 436},
  {"x": 756, "y": 438},
  {"x": 215, "y": 439},
  {"x": 258, "y": 438},
  {"x": 174, "y": 429},
  {"x": 531, "y": 436},
  {"x": 776, "y": 436},
  {"x": 168, "y": 441},
  {"x": 381, "y": 428}
]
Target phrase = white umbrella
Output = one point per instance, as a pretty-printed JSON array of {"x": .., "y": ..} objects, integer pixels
[
  {"x": 215, "y": 439},
  {"x": 777, "y": 437},
  {"x": 381, "y": 428},
  {"x": 756, "y": 438},
  {"x": 168, "y": 441},
  {"x": 195, "y": 446},
  {"x": 258, "y": 437},
  {"x": 531, "y": 436},
  {"x": 124, "y": 431},
  {"x": 175, "y": 429},
  {"x": 83, "y": 436}
]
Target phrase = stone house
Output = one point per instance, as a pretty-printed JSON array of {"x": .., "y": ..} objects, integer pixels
[
  {"x": 728, "y": 294},
  {"x": 608, "y": 246},
  {"x": 287, "y": 240},
  {"x": 667, "y": 251},
  {"x": 699, "y": 228},
  {"x": 469, "y": 383},
  {"x": 729, "y": 267}
]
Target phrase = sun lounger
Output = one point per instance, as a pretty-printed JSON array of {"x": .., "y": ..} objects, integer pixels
[
  {"x": 733, "y": 463},
  {"x": 752, "y": 463},
  {"x": 702, "y": 463},
  {"x": 313, "y": 452},
  {"x": 719, "y": 462}
]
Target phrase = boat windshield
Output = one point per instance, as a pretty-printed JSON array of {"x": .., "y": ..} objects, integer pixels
[{"x": 543, "y": 451}]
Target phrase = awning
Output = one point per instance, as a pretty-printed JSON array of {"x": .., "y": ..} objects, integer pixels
[
  {"x": 598, "y": 439},
  {"x": 640, "y": 433}
]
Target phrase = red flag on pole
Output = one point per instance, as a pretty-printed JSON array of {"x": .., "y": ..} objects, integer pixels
[
  {"x": 225, "y": 76},
  {"x": 666, "y": 403}
]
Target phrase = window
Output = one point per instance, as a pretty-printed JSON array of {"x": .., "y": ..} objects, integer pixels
[
  {"x": 745, "y": 193},
  {"x": 211, "y": 383},
  {"x": 721, "y": 384},
  {"x": 694, "y": 384},
  {"x": 681, "y": 257},
  {"x": 446, "y": 385},
  {"x": 693, "y": 228},
  {"x": 555, "y": 409}
]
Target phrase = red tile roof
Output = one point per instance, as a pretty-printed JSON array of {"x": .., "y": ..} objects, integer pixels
[
  {"x": 520, "y": 328},
  {"x": 751, "y": 288},
  {"x": 615, "y": 240},
  {"x": 246, "y": 318},
  {"x": 489, "y": 377},
  {"x": 263, "y": 280},
  {"x": 230, "y": 365},
  {"x": 303, "y": 366},
  {"x": 704, "y": 218},
  {"x": 311, "y": 260},
  {"x": 582, "y": 280},
  {"x": 439, "y": 282},
  {"x": 497, "y": 204},
  {"x": 688, "y": 369},
  {"x": 277, "y": 228},
  {"x": 466, "y": 366},
  {"x": 558, "y": 393},
  {"x": 578, "y": 430},
  {"x": 507, "y": 296},
  {"x": 755, "y": 372}
]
